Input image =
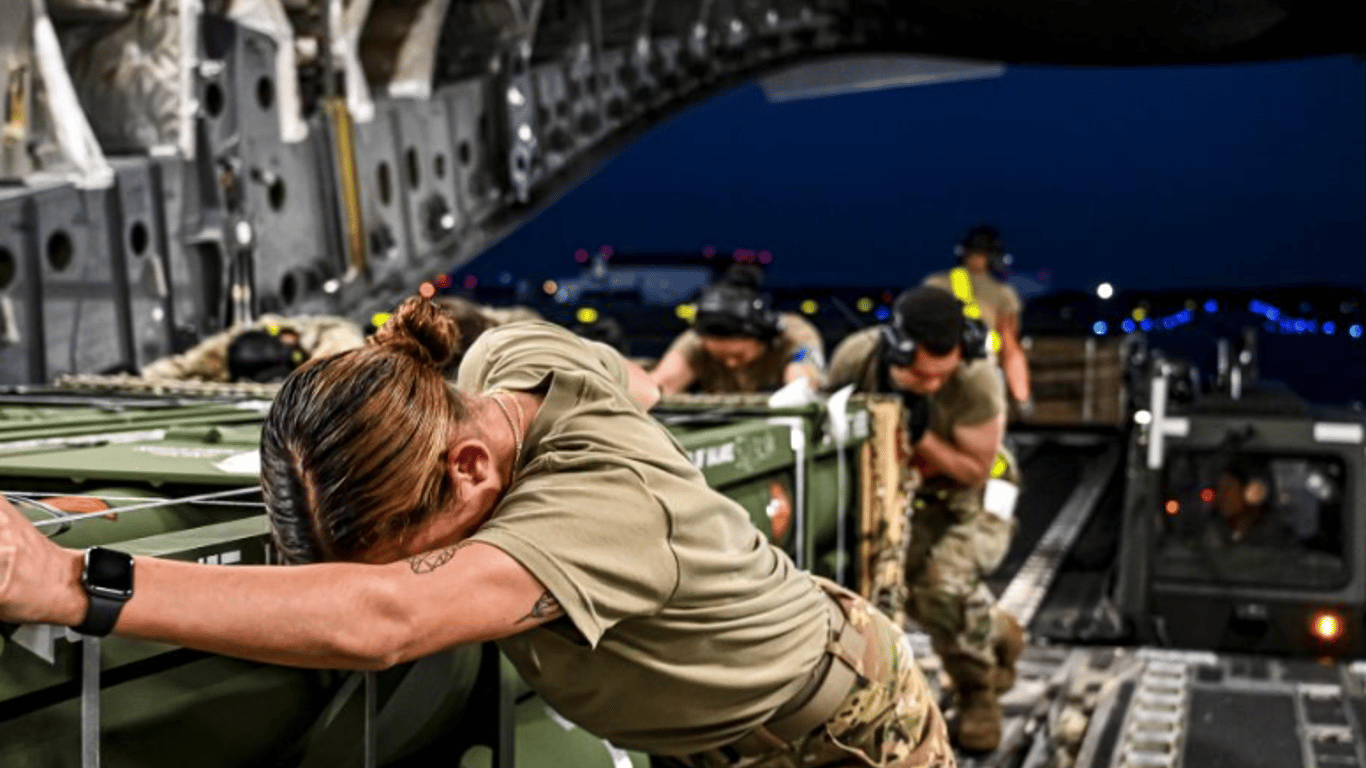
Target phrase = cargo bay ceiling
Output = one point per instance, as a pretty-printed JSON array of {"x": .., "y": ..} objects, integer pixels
[{"x": 172, "y": 166}]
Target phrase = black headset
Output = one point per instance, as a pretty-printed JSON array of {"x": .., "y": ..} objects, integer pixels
[
  {"x": 728, "y": 310},
  {"x": 899, "y": 349},
  {"x": 984, "y": 238}
]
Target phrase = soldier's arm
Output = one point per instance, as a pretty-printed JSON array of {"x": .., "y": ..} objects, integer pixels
[
  {"x": 1013, "y": 361},
  {"x": 674, "y": 373},
  {"x": 330, "y": 615},
  {"x": 642, "y": 387},
  {"x": 969, "y": 457}
]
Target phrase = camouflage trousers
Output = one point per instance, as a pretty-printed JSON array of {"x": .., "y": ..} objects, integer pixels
[
  {"x": 955, "y": 543},
  {"x": 888, "y": 720}
]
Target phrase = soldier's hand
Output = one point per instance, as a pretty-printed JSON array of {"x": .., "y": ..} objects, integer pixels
[
  {"x": 917, "y": 416},
  {"x": 36, "y": 575}
]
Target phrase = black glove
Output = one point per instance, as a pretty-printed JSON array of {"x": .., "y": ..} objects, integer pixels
[{"x": 917, "y": 416}]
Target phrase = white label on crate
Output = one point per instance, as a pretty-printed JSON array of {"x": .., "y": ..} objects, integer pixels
[
  {"x": 247, "y": 463},
  {"x": 1000, "y": 497}
]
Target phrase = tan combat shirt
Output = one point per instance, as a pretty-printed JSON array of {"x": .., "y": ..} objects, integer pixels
[
  {"x": 996, "y": 298},
  {"x": 799, "y": 342},
  {"x": 685, "y": 628},
  {"x": 972, "y": 396}
]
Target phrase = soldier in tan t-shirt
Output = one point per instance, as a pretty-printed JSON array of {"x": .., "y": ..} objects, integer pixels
[
  {"x": 533, "y": 502},
  {"x": 739, "y": 344},
  {"x": 299, "y": 338},
  {"x": 993, "y": 301},
  {"x": 962, "y": 523}
]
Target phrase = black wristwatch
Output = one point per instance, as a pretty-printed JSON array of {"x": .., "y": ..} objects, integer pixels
[{"x": 108, "y": 581}]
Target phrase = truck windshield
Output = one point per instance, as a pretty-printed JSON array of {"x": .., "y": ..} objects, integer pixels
[{"x": 1242, "y": 517}]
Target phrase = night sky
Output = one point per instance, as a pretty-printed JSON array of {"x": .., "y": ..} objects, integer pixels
[{"x": 1159, "y": 177}]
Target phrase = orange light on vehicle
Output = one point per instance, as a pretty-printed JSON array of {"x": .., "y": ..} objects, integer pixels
[
  {"x": 1326, "y": 626},
  {"x": 1207, "y": 495},
  {"x": 1173, "y": 506}
]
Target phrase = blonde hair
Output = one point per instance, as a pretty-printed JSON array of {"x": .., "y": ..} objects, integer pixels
[{"x": 353, "y": 451}]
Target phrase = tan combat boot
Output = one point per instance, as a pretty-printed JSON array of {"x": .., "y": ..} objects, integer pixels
[
  {"x": 1009, "y": 644},
  {"x": 979, "y": 719}
]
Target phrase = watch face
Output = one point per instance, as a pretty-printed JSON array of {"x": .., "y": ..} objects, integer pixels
[{"x": 109, "y": 572}]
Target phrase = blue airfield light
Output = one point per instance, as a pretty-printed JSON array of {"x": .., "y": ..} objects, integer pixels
[
  {"x": 1128, "y": 326},
  {"x": 882, "y": 313},
  {"x": 1211, "y": 306},
  {"x": 1355, "y": 331},
  {"x": 1100, "y": 327},
  {"x": 1146, "y": 325},
  {"x": 1330, "y": 328}
]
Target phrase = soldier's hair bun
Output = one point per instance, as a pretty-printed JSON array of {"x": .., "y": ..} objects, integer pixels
[
  {"x": 420, "y": 329},
  {"x": 745, "y": 276}
]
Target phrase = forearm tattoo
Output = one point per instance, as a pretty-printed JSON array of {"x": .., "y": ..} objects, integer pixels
[
  {"x": 546, "y": 608},
  {"x": 430, "y": 561}
]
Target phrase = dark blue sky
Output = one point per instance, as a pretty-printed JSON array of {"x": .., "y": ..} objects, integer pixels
[{"x": 1166, "y": 177}]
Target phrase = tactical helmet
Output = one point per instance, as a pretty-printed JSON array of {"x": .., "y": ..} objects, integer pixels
[{"x": 734, "y": 307}]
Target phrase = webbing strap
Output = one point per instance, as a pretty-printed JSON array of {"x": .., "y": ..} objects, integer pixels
[{"x": 961, "y": 283}]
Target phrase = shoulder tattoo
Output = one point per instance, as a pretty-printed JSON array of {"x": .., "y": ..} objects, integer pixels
[
  {"x": 546, "y": 608},
  {"x": 430, "y": 561}
]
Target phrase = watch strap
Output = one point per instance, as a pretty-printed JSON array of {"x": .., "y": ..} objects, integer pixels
[{"x": 101, "y": 614}]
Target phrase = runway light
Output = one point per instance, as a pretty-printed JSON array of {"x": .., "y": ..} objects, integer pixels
[
  {"x": 1211, "y": 306},
  {"x": 470, "y": 282},
  {"x": 1207, "y": 495},
  {"x": 686, "y": 312},
  {"x": 587, "y": 315},
  {"x": 1173, "y": 506},
  {"x": 379, "y": 319},
  {"x": 1146, "y": 325},
  {"x": 1128, "y": 326},
  {"x": 1139, "y": 314},
  {"x": 1355, "y": 331},
  {"x": 864, "y": 304},
  {"x": 765, "y": 257},
  {"x": 1326, "y": 626},
  {"x": 1143, "y": 418},
  {"x": 581, "y": 255},
  {"x": 809, "y": 307},
  {"x": 1100, "y": 327},
  {"x": 887, "y": 297},
  {"x": 882, "y": 314},
  {"x": 443, "y": 281},
  {"x": 708, "y": 251},
  {"x": 1330, "y": 328},
  {"x": 426, "y": 290},
  {"x": 1105, "y": 290}
]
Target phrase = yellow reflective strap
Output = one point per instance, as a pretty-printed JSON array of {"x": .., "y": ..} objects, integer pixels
[
  {"x": 999, "y": 467},
  {"x": 961, "y": 282},
  {"x": 995, "y": 341},
  {"x": 962, "y": 285}
]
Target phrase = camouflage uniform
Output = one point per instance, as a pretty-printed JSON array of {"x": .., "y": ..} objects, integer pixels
[
  {"x": 319, "y": 336},
  {"x": 955, "y": 542},
  {"x": 888, "y": 720}
]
